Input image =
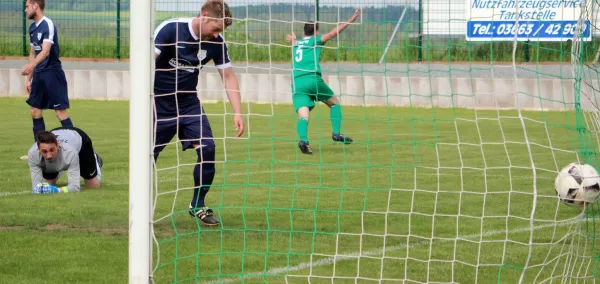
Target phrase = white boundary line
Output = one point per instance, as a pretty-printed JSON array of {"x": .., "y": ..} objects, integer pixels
[
  {"x": 266, "y": 172},
  {"x": 2, "y": 194},
  {"x": 377, "y": 252}
]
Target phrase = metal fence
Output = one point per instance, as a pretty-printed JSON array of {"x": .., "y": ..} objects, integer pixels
[
  {"x": 428, "y": 30},
  {"x": 86, "y": 29}
]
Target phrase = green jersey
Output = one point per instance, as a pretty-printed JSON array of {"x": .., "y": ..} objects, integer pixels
[{"x": 307, "y": 54}]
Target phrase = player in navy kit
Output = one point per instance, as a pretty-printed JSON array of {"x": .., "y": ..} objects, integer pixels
[
  {"x": 183, "y": 46},
  {"x": 46, "y": 81}
]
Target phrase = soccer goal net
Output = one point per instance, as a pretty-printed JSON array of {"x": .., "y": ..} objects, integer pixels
[{"x": 462, "y": 114}]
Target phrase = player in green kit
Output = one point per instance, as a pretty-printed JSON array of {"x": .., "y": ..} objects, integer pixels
[{"x": 308, "y": 85}]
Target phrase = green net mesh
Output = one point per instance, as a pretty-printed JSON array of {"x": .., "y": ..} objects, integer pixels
[{"x": 450, "y": 178}]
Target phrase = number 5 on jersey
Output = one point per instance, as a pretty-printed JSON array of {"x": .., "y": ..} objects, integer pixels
[{"x": 298, "y": 57}]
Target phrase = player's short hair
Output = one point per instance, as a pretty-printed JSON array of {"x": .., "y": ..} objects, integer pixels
[
  {"x": 46, "y": 137},
  {"x": 218, "y": 9},
  {"x": 310, "y": 28},
  {"x": 41, "y": 3}
]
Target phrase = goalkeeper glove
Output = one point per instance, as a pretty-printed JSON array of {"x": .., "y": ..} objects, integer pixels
[{"x": 46, "y": 188}]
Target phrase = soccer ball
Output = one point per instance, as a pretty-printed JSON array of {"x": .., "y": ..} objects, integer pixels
[{"x": 577, "y": 184}]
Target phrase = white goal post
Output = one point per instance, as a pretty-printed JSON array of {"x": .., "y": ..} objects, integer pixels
[
  {"x": 140, "y": 154},
  {"x": 470, "y": 192}
]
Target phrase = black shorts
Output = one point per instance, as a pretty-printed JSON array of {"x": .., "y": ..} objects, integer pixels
[
  {"x": 49, "y": 90},
  {"x": 88, "y": 160},
  {"x": 192, "y": 127}
]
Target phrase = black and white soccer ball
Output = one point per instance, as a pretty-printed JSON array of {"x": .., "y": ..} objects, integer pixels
[{"x": 577, "y": 184}]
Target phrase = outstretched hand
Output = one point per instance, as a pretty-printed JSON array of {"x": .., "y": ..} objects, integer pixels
[
  {"x": 354, "y": 16},
  {"x": 291, "y": 38}
]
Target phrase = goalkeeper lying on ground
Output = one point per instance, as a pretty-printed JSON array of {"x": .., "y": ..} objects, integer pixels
[{"x": 63, "y": 149}]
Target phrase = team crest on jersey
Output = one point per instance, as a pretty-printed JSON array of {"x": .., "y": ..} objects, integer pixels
[
  {"x": 39, "y": 36},
  {"x": 201, "y": 54}
]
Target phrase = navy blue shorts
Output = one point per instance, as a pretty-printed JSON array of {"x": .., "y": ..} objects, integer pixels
[
  {"x": 192, "y": 127},
  {"x": 49, "y": 90}
]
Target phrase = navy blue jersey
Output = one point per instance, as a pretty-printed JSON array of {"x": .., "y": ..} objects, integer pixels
[
  {"x": 41, "y": 32},
  {"x": 181, "y": 55}
]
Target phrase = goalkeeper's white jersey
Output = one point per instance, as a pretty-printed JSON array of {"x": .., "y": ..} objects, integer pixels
[
  {"x": 67, "y": 159},
  {"x": 69, "y": 137}
]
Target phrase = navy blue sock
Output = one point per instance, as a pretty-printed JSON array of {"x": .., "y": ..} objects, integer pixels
[
  {"x": 38, "y": 125},
  {"x": 66, "y": 122},
  {"x": 204, "y": 173}
]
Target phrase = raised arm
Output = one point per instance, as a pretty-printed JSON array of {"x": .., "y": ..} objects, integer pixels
[
  {"x": 337, "y": 30},
  {"x": 291, "y": 38}
]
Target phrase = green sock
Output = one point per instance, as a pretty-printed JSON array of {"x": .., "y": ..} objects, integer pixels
[
  {"x": 335, "y": 113},
  {"x": 302, "y": 128}
]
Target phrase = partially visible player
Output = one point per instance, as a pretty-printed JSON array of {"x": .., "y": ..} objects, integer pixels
[
  {"x": 46, "y": 81},
  {"x": 308, "y": 85},
  {"x": 183, "y": 47},
  {"x": 67, "y": 149}
]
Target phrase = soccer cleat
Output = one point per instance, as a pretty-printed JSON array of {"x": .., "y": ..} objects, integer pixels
[
  {"x": 205, "y": 215},
  {"x": 304, "y": 147},
  {"x": 341, "y": 138}
]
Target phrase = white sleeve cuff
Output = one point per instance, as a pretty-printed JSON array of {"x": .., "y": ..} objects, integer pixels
[
  {"x": 49, "y": 40},
  {"x": 223, "y": 66}
]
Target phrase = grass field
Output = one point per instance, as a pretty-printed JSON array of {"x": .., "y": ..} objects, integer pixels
[{"x": 423, "y": 195}]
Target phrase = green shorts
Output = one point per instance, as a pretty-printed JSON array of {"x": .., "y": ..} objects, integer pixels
[{"x": 308, "y": 89}]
